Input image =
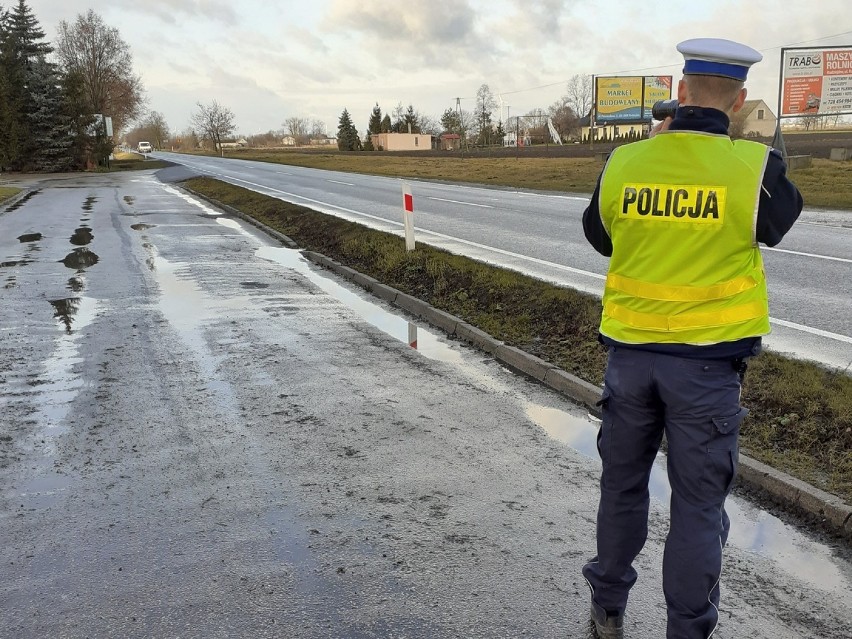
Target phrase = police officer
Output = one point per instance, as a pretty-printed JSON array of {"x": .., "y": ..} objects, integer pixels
[{"x": 685, "y": 304}]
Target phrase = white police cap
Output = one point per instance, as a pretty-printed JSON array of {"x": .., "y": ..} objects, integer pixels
[{"x": 714, "y": 56}]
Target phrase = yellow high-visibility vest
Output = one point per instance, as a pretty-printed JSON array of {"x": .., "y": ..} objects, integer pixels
[{"x": 681, "y": 211}]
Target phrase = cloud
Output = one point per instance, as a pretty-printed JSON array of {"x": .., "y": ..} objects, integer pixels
[
  {"x": 307, "y": 40},
  {"x": 419, "y": 23},
  {"x": 443, "y": 33},
  {"x": 172, "y": 11},
  {"x": 268, "y": 61}
]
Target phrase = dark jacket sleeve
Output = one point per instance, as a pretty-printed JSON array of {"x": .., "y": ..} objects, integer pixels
[
  {"x": 593, "y": 224},
  {"x": 780, "y": 202}
]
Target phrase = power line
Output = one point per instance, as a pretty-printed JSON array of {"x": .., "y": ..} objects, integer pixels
[
  {"x": 665, "y": 66},
  {"x": 783, "y": 46}
]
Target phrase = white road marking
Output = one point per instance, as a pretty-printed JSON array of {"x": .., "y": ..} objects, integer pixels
[
  {"x": 556, "y": 197},
  {"x": 821, "y": 257},
  {"x": 339, "y": 182},
  {"x": 813, "y": 331},
  {"x": 492, "y": 191},
  {"x": 440, "y": 199}
]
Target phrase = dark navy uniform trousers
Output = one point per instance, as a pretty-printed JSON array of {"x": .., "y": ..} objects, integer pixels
[{"x": 696, "y": 403}]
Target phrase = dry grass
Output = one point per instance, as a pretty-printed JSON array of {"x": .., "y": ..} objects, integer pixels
[
  {"x": 121, "y": 156},
  {"x": 826, "y": 183},
  {"x": 801, "y": 414},
  {"x": 563, "y": 174},
  {"x": 132, "y": 162},
  {"x": 7, "y": 192}
]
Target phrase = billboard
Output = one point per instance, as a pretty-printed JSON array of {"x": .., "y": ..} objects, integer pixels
[
  {"x": 629, "y": 98},
  {"x": 816, "y": 81}
]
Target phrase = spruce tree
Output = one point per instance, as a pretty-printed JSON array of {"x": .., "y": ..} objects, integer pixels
[
  {"x": 374, "y": 126},
  {"x": 410, "y": 121},
  {"x": 347, "y": 134},
  {"x": 12, "y": 105},
  {"x": 5, "y": 92},
  {"x": 49, "y": 125},
  {"x": 21, "y": 47},
  {"x": 25, "y": 29}
]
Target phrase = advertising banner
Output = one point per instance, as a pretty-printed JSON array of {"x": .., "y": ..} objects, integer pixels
[
  {"x": 657, "y": 87},
  {"x": 816, "y": 81},
  {"x": 619, "y": 99},
  {"x": 628, "y": 99}
]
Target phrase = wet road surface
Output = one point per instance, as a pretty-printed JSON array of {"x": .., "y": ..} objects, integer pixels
[{"x": 202, "y": 435}]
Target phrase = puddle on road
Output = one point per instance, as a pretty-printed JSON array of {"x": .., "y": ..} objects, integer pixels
[
  {"x": 752, "y": 529},
  {"x": 29, "y": 237},
  {"x": 188, "y": 309},
  {"x": 197, "y": 203},
  {"x": 13, "y": 263},
  {"x": 398, "y": 327},
  {"x": 129, "y": 199},
  {"x": 254, "y": 285},
  {"x": 142, "y": 226},
  {"x": 89, "y": 203},
  {"x": 228, "y": 223},
  {"x": 82, "y": 236},
  {"x": 43, "y": 490},
  {"x": 80, "y": 259},
  {"x": 59, "y": 384},
  {"x": 76, "y": 283},
  {"x": 23, "y": 260},
  {"x": 65, "y": 309}
]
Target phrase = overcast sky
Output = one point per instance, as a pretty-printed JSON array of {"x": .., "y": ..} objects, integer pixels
[{"x": 269, "y": 60}]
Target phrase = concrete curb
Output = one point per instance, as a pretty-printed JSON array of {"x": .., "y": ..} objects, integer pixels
[
  {"x": 7, "y": 204},
  {"x": 787, "y": 491}
]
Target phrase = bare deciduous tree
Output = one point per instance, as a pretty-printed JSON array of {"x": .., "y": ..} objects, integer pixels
[
  {"x": 318, "y": 129},
  {"x": 187, "y": 140},
  {"x": 579, "y": 95},
  {"x": 485, "y": 105},
  {"x": 96, "y": 52},
  {"x": 567, "y": 122},
  {"x": 299, "y": 128},
  {"x": 214, "y": 122},
  {"x": 153, "y": 129},
  {"x": 428, "y": 124}
]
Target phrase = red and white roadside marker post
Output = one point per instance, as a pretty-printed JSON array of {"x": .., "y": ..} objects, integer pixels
[
  {"x": 408, "y": 216},
  {"x": 412, "y": 335}
]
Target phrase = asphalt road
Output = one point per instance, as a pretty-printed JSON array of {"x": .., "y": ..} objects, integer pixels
[
  {"x": 202, "y": 435},
  {"x": 810, "y": 272}
]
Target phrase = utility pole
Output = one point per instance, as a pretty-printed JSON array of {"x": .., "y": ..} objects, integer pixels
[
  {"x": 461, "y": 128},
  {"x": 592, "y": 114}
]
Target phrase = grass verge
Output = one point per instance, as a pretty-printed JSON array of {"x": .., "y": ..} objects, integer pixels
[
  {"x": 7, "y": 192},
  {"x": 132, "y": 162},
  {"x": 801, "y": 414},
  {"x": 824, "y": 184}
]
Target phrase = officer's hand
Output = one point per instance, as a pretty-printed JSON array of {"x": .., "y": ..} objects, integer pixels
[{"x": 662, "y": 126}]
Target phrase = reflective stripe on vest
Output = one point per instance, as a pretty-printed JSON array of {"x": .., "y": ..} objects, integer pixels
[
  {"x": 685, "y": 267},
  {"x": 685, "y": 321},
  {"x": 649, "y": 290}
]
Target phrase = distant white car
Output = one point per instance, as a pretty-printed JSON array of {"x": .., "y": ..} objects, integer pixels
[{"x": 144, "y": 147}]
